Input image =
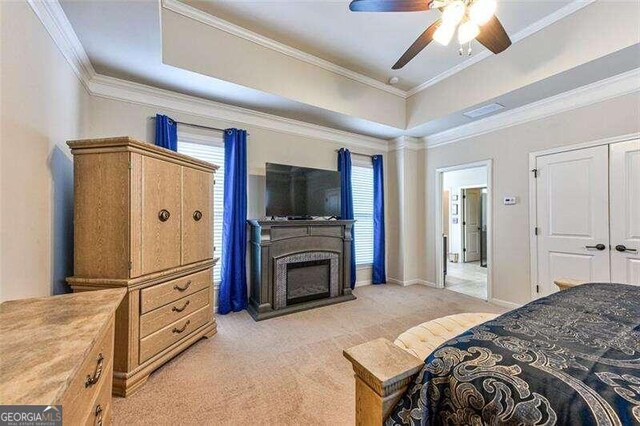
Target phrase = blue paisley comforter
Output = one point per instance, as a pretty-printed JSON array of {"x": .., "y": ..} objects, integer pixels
[{"x": 570, "y": 358}]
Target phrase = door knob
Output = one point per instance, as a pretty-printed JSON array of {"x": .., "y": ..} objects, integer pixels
[
  {"x": 622, "y": 248},
  {"x": 598, "y": 247}
]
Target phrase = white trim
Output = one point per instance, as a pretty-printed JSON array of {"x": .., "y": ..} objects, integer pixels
[
  {"x": 362, "y": 283},
  {"x": 612, "y": 87},
  {"x": 438, "y": 221},
  {"x": 56, "y": 23},
  {"x": 505, "y": 303},
  {"x": 533, "y": 195},
  {"x": 405, "y": 283},
  {"x": 563, "y": 12},
  {"x": 220, "y": 24},
  {"x": 406, "y": 142}
]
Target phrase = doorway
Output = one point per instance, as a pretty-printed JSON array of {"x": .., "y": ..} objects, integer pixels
[{"x": 464, "y": 226}]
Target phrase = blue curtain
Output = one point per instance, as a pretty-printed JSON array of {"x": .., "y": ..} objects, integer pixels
[
  {"x": 166, "y": 132},
  {"x": 346, "y": 202},
  {"x": 379, "y": 274},
  {"x": 233, "y": 284}
]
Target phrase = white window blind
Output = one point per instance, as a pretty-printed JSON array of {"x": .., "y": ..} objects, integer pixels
[
  {"x": 213, "y": 154},
  {"x": 362, "y": 187}
]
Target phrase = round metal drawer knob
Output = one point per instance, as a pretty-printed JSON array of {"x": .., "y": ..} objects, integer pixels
[
  {"x": 164, "y": 215},
  {"x": 197, "y": 215}
]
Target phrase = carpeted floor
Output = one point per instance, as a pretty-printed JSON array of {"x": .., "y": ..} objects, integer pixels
[{"x": 286, "y": 370}]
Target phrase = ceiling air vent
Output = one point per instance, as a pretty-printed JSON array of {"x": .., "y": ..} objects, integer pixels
[{"x": 483, "y": 110}]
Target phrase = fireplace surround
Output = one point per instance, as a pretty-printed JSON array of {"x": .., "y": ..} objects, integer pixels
[{"x": 298, "y": 265}]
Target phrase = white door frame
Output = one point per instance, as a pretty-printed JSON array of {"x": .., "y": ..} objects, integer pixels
[
  {"x": 533, "y": 195},
  {"x": 439, "y": 249}
]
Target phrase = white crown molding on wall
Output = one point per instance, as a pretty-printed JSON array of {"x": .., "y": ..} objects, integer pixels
[
  {"x": 220, "y": 24},
  {"x": 406, "y": 142},
  {"x": 599, "y": 91},
  {"x": 58, "y": 26},
  {"x": 554, "y": 17}
]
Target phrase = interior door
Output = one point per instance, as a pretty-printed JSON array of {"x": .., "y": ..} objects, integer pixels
[
  {"x": 624, "y": 185},
  {"x": 197, "y": 226},
  {"x": 572, "y": 217},
  {"x": 471, "y": 224},
  {"x": 161, "y": 215}
]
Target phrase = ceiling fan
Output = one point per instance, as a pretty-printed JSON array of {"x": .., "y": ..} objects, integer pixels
[{"x": 474, "y": 19}]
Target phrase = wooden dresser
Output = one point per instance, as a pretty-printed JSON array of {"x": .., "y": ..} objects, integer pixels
[
  {"x": 143, "y": 220},
  {"x": 59, "y": 351}
]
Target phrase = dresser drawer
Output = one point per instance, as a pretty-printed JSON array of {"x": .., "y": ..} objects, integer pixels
[
  {"x": 100, "y": 413},
  {"x": 162, "y": 294},
  {"x": 165, "y": 337},
  {"x": 167, "y": 314},
  {"x": 97, "y": 370}
]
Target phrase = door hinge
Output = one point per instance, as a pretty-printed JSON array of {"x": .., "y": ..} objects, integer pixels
[
  {"x": 535, "y": 172},
  {"x": 535, "y": 230},
  {"x": 464, "y": 249},
  {"x": 537, "y": 288},
  {"x": 464, "y": 223}
]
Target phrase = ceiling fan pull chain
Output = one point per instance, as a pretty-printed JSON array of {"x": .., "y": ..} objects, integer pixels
[
  {"x": 469, "y": 50},
  {"x": 461, "y": 51}
]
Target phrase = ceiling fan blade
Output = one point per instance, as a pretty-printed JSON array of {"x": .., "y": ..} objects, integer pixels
[
  {"x": 493, "y": 36},
  {"x": 420, "y": 43},
  {"x": 389, "y": 5}
]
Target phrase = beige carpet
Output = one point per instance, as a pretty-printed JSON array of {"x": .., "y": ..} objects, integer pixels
[{"x": 286, "y": 370}]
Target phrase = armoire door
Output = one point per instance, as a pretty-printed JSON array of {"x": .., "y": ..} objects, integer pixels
[
  {"x": 197, "y": 220},
  {"x": 161, "y": 215},
  {"x": 624, "y": 187},
  {"x": 572, "y": 217},
  {"x": 471, "y": 224}
]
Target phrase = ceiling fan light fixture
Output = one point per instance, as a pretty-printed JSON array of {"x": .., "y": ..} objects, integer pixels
[
  {"x": 453, "y": 13},
  {"x": 467, "y": 32},
  {"x": 482, "y": 10},
  {"x": 444, "y": 33}
]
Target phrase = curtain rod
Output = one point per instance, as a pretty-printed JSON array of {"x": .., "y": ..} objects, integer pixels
[
  {"x": 357, "y": 153},
  {"x": 197, "y": 125}
]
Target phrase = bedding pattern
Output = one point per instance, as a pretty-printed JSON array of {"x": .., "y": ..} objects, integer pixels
[{"x": 570, "y": 358}]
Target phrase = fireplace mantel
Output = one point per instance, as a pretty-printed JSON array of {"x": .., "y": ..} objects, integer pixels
[{"x": 277, "y": 244}]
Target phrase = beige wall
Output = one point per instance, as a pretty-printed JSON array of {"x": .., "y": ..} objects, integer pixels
[
  {"x": 509, "y": 149},
  {"x": 43, "y": 104}
]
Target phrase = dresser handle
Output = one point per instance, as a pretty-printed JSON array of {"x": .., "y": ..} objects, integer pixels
[
  {"x": 98, "y": 415},
  {"x": 96, "y": 376},
  {"x": 177, "y": 287},
  {"x": 184, "y": 327},
  {"x": 197, "y": 215},
  {"x": 164, "y": 215},
  {"x": 176, "y": 309}
]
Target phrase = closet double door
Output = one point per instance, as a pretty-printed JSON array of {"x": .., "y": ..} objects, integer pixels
[{"x": 588, "y": 215}]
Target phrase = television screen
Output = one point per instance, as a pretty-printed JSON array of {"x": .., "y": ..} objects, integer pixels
[{"x": 300, "y": 191}]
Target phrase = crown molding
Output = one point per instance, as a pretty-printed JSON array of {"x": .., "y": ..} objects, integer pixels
[
  {"x": 559, "y": 14},
  {"x": 55, "y": 21},
  {"x": 612, "y": 87},
  {"x": 406, "y": 142},
  {"x": 53, "y": 18},
  {"x": 220, "y": 24}
]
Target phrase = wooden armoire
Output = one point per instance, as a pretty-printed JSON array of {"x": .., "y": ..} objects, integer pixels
[{"x": 143, "y": 220}]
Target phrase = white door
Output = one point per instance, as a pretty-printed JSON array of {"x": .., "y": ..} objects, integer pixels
[
  {"x": 625, "y": 212},
  {"x": 471, "y": 224},
  {"x": 572, "y": 217}
]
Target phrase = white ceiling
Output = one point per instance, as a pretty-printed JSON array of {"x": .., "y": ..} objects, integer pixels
[{"x": 368, "y": 43}]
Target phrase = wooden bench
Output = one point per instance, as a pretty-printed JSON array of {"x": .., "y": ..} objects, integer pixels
[{"x": 384, "y": 370}]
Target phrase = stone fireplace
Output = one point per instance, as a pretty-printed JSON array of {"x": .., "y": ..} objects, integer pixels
[
  {"x": 297, "y": 265},
  {"x": 306, "y": 276}
]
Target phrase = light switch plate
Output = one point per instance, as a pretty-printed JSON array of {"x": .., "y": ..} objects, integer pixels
[{"x": 509, "y": 201}]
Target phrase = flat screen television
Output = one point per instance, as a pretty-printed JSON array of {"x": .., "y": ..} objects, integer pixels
[{"x": 302, "y": 192}]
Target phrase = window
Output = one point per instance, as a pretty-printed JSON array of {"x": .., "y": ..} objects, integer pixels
[
  {"x": 213, "y": 154},
  {"x": 362, "y": 186}
]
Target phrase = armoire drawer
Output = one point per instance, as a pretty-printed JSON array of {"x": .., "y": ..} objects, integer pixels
[
  {"x": 172, "y": 312},
  {"x": 167, "y": 336},
  {"x": 162, "y": 294}
]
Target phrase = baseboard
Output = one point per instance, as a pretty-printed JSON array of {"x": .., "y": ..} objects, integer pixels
[
  {"x": 504, "y": 303},
  {"x": 363, "y": 283},
  {"x": 411, "y": 282}
]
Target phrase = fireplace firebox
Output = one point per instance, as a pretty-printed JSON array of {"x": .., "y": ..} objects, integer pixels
[{"x": 308, "y": 280}]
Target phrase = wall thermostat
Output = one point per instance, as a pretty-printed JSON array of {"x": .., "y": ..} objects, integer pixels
[{"x": 509, "y": 201}]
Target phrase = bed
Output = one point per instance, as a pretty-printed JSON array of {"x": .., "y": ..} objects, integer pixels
[{"x": 570, "y": 358}]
